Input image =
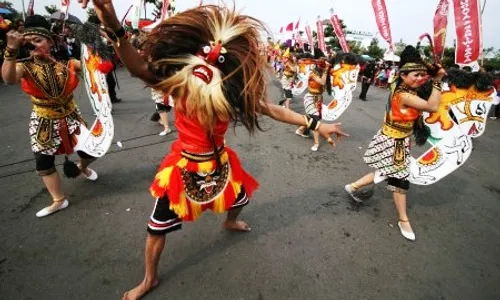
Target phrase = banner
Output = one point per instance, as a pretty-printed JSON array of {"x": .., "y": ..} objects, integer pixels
[
  {"x": 321, "y": 36},
  {"x": 64, "y": 9},
  {"x": 440, "y": 27},
  {"x": 136, "y": 13},
  {"x": 468, "y": 27},
  {"x": 31, "y": 8},
  {"x": 334, "y": 19},
  {"x": 310, "y": 38},
  {"x": 382, "y": 19},
  {"x": 164, "y": 10}
]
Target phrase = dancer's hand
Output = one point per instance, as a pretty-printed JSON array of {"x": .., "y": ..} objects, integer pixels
[
  {"x": 14, "y": 39},
  {"x": 326, "y": 130},
  {"x": 105, "y": 12}
]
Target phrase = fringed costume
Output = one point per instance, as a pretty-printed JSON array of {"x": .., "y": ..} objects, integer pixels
[{"x": 213, "y": 70}]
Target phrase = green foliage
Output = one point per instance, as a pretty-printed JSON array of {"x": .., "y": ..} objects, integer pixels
[
  {"x": 374, "y": 50},
  {"x": 50, "y": 9},
  {"x": 92, "y": 16}
]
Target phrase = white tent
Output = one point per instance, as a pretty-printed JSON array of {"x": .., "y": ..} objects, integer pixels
[{"x": 390, "y": 56}]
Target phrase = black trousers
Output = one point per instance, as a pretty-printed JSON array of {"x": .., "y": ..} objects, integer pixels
[
  {"x": 364, "y": 89},
  {"x": 110, "y": 80}
]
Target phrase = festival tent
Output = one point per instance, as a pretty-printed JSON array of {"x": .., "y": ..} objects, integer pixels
[{"x": 391, "y": 57}]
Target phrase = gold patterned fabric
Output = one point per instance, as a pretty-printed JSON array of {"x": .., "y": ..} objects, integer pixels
[{"x": 55, "y": 117}]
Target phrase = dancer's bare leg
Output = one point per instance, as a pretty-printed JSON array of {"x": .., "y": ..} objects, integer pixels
[
  {"x": 154, "y": 248},
  {"x": 54, "y": 186},
  {"x": 84, "y": 163},
  {"x": 233, "y": 224},
  {"x": 400, "y": 203},
  {"x": 364, "y": 181},
  {"x": 287, "y": 103},
  {"x": 164, "y": 119}
]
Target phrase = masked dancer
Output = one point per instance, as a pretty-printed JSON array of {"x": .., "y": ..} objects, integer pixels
[
  {"x": 389, "y": 150},
  {"x": 208, "y": 59},
  {"x": 55, "y": 119}
]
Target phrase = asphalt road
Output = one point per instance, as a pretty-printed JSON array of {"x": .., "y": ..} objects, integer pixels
[{"x": 307, "y": 242}]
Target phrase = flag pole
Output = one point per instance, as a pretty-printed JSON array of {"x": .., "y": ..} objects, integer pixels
[{"x": 24, "y": 13}]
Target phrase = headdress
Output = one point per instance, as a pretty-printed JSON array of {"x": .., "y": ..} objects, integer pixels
[
  {"x": 411, "y": 61},
  {"x": 37, "y": 25},
  {"x": 208, "y": 59}
]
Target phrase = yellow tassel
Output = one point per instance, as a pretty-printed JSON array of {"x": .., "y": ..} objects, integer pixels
[
  {"x": 182, "y": 163},
  {"x": 195, "y": 210},
  {"x": 206, "y": 167},
  {"x": 180, "y": 209},
  {"x": 219, "y": 204},
  {"x": 164, "y": 177}
]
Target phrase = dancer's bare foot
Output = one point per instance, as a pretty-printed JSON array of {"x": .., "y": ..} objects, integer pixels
[
  {"x": 142, "y": 289},
  {"x": 235, "y": 225}
]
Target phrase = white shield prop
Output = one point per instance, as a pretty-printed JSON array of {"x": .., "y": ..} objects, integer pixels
[
  {"x": 344, "y": 80},
  {"x": 96, "y": 140}
]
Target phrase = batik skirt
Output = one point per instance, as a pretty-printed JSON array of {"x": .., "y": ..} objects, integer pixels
[{"x": 389, "y": 156}]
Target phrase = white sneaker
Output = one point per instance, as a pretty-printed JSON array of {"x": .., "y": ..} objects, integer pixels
[
  {"x": 48, "y": 210},
  {"x": 93, "y": 175},
  {"x": 165, "y": 132},
  {"x": 493, "y": 118},
  {"x": 410, "y": 235},
  {"x": 315, "y": 147},
  {"x": 350, "y": 190}
]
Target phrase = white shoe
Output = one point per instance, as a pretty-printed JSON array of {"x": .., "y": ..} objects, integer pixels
[
  {"x": 493, "y": 118},
  {"x": 410, "y": 235},
  {"x": 93, "y": 175},
  {"x": 298, "y": 132},
  {"x": 48, "y": 210},
  {"x": 315, "y": 147},
  {"x": 165, "y": 132},
  {"x": 350, "y": 190}
]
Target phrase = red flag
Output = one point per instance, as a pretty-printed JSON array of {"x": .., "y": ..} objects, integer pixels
[
  {"x": 440, "y": 27},
  {"x": 289, "y": 27},
  {"x": 340, "y": 33},
  {"x": 297, "y": 25},
  {"x": 468, "y": 26},
  {"x": 321, "y": 36},
  {"x": 309, "y": 37},
  {"x": 31, "y": 6},
  {"x": 382, "y": 19},
  {"x": 164, "y": 10}
]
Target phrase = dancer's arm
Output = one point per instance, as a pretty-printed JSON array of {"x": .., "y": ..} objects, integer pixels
[
  {"x": 285, "y": 115},
  {"x": 12, "y": 72},
  {"x": 432, "y": 104},
  {"x": 127, "y": 53}
]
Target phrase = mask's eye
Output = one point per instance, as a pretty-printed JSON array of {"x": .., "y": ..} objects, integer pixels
[
  {"x": 206, "y": 49},
  {"x": 221, "y": 59}
]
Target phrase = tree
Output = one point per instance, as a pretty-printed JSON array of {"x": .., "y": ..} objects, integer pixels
[
  {"x": 399, "y": 47},
  {"x": 92, "y": 16},
  {"x": 51, "y": 9},
  {"x": 374, "y": 50},
  {"x": 15, "y": 15}
]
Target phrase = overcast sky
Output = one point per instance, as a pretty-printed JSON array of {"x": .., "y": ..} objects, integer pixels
[{"x": 408, "y": 18}]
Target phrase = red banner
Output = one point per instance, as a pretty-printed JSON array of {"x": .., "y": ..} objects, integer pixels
[
  {"x": 382, "y": 18},
  {"x": 31, "y": 8},
  {"x": 340, "y": 33},
  {"x": 468, "y": 26},
  {"x": 440, "y": 27},
  {"x": 309, "y": 37},
  {"x": 321, "y": 36},
  {"x": 164, "y": 10}
]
